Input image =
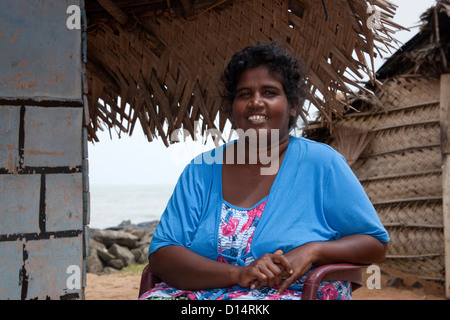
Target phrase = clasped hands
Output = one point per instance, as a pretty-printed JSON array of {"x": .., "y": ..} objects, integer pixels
[{"x": 275, "y": 269}]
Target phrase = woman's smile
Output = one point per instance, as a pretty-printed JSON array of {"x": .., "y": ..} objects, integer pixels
[{"x": 258, "y": 119}]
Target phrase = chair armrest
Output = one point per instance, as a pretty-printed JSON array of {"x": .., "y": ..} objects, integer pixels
[
  {"x": 148, "y": 280},
  {"x": 332, "y": 272}
]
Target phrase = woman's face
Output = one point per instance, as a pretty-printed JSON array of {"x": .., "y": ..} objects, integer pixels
[{"x": 261, "y": 103}]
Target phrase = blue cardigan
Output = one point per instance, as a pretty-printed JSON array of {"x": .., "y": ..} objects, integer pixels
[{"x": 315, "y": 197}]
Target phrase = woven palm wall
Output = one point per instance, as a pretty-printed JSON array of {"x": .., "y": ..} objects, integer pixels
[
  {"x": 400, "y": 169},
  {"x": 165, "y": 62}
]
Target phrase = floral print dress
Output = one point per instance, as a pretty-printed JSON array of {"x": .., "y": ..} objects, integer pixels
[{"x": 237, "y": 226}]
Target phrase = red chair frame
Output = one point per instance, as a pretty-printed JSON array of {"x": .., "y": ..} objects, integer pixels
[{"x": 330, "y": 272}]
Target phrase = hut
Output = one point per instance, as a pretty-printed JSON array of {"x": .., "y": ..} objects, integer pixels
[{"x": 396, "y": 141}]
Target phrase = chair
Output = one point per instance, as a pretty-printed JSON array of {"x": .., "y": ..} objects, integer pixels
[{"x": 330, "y": 272}]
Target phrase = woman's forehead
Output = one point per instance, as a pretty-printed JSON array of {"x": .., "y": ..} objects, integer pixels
[{"x": 261, "y": 73}]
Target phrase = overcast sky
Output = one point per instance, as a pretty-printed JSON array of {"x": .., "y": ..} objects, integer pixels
[{"x": 134, "y": 160}]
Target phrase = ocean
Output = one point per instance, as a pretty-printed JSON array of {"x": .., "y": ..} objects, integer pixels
[{"x": 111, "y": 205}]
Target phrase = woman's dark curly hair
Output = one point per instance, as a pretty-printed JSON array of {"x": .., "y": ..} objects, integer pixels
[{"x": 279, "y": 62}]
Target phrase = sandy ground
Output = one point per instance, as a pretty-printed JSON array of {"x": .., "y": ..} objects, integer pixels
[
  {"x": 125, "y": 286},
  {"x": 411, "y": 287}
]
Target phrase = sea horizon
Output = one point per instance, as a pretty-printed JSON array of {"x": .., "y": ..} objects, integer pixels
[{"x": 112, "y": 204}]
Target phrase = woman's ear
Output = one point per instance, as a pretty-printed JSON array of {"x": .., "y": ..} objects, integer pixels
[{"x": 293, "y": 110}]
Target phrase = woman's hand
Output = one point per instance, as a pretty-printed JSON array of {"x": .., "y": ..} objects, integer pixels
[
  {"x": 363, "y": 249},
  {"x": 302, "y": 258},
  {"x": 267, "y": 270}
]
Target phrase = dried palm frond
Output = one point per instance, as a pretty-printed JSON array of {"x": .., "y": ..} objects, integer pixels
[
  {"x": 164, "y": 58},
  {"x": 351, "y": 142}
]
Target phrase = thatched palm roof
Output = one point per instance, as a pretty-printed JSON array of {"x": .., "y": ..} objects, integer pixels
[
  {"x": 160, "y": 61},
  {"x": 426, "y": 54}
]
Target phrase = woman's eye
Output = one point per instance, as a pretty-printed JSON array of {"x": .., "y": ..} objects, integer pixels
[{"x": 243, "y": 94}]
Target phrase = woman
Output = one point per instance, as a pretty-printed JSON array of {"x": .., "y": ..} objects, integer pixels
[{"x": 231, "y": 232}]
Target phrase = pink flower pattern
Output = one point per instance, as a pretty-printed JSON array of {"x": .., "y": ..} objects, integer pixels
[
  {"x": 252, "y": 214},
  {"x": 329, "y": 292},
  {"x": 230, "y": 228}
]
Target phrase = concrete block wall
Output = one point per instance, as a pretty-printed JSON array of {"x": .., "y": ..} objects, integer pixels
[{"x": 44, "y": 186}]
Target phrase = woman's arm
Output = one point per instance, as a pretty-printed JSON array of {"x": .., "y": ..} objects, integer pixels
[
  {"x": 359, "y": 249},
  {"x": 184, "y": 269}
]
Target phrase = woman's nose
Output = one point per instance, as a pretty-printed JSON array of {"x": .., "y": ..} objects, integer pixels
[{"x": 257, "y": 102}]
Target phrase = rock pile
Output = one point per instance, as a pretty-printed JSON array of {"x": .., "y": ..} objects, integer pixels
[{"x": 115, "y": 248}]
